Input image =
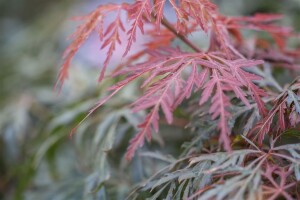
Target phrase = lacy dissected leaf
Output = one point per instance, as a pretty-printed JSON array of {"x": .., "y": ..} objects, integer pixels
[
  {"x": 199, "y": 173},
  {"x": 137, "y": 12},
  {"x": 285, "y": 107},
  {"x": 200, "y": 12},
  {"x": 241, "y": 174},
  {"x": 169, "y": 91},
  {"x": 279, "y": 186},
  {"x": 166, "y": 93},
  {"x": 260, "y": 22},
  {"x": 113, "y": 38},
  {"x": 220, "y": 103},
  {"x": 247, "y": 79},
  {"x": 160, "y": 39},
  {"x": 224, "y": 81},
  {"x": 244, "y": 186},
  {"x": 94, "y": 22},
  {"x": 172, "y": 75}
]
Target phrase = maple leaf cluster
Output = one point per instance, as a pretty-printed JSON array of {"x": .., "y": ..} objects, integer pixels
[{"x": 231, "y": 68}]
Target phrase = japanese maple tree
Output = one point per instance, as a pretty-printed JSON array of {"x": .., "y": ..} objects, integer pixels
[{"x": 231, "y": 81}]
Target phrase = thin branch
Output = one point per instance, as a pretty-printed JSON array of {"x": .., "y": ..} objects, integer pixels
[{"x": 170, "y": 27}]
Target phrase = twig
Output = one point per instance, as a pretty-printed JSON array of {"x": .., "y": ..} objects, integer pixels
[{"x": 170, "y": 27}]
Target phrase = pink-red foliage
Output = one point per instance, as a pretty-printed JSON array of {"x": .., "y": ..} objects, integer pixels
[{"x": 172, "y": 74}]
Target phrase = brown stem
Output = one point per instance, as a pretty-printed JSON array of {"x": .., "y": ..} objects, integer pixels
[{"x": 170, "y": 27}]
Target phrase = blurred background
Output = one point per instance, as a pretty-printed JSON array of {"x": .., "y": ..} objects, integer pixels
[{"x": 38, "y": 159}]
